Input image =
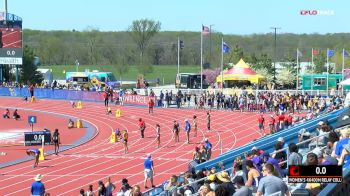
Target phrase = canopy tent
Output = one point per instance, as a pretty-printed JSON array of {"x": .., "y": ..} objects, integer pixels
[
  {"x": 345, "y": 82},
  {"x": 240, "y": 72}
]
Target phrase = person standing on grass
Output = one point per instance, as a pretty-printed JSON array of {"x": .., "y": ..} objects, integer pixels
[
  {"x": 195, "y": 125},
  {"x": 38, "y": 188},
  {"x": 109, "y": 187},
  {"x": 208, "y": 121},
  {"x": 149, "y": 170},
  {"x": 261, "y": 121},
  {"x": 56, "y": 141},
  {"x": 158, "y": 134},
  {"x": 187, "y": 130},
  {"x": 125, "y": 141},
  {"x": 176, "y": 131},
  {"x": 142, "y": 126},
  {"x": 34, "y": 153}
]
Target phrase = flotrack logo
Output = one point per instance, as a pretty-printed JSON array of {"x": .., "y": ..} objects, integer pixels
[{"x": 316, "y": 12}]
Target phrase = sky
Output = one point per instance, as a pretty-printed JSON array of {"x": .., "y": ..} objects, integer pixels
[{"x": 244, "y": 17}]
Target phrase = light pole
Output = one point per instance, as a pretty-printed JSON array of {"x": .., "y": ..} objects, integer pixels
[
  {"x": 210, "y": 43},
  {"x": 77, "y": 64},
  {"x": 275, "y": 55}
]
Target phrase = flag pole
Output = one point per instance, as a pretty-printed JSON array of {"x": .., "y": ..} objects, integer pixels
[
  {"x": 222, "y": 62},
  {"x": 178, "y": 55},
  {"x": 312, "y": 68},
  {"x": 327, "y": 70},
  {"x": 297, "y": 70},
  {"x": 343, "y": 65},
  {"x": 202, "y": 59}
]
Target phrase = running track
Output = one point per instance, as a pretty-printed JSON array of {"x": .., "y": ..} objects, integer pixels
[{"x": 77, "y": 168}]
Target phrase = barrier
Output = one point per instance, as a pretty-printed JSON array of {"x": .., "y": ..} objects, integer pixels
[
  {"x": 113, "y": 138},
  {"x": 79, "y": 124},
  {"x": 72, "y": 95},
  {"x": 41, "y": 156},
  {"x": 79, "y": 105},
  {"x": 138, "y": 99},
  {"x": 118, "y": 113},
  {"x": 289, "y": 135}
]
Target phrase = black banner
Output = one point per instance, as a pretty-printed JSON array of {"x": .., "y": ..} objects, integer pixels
[
  {"x": 35, "y": 138},
  {"x": 315, "y": 174}
]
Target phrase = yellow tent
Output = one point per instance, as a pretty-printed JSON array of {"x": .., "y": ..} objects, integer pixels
[{"x": 241, "y": 71}]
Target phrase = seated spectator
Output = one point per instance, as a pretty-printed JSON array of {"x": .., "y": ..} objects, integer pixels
[
  {"x": 16, "y": 115},
  {"x": 6, "y": 114},
  {"x": 270, "y": 184},
  {"x": 343, "y": 139},
  {"x": 302, "y": 136},
  {"x": 204, "y": 190},
  {"x": 70, "y": 124},
  {"x": 226, "y": 182},
  {"x": 238, "y": 171},
  {"x": 324, "y": 159},
  {"x": 241, "y": 189},
  {"x": 345, "y": 156}
]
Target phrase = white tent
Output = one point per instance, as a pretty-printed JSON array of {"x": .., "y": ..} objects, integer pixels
[{"x": 345, "y": 82}]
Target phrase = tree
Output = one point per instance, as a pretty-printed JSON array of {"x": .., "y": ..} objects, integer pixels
[
  {"x": 29, "y": 72},
  {"x": 320, "y": 63},
  {"x": 286, "y": 78},
  {"x": 141, "y": 32}
]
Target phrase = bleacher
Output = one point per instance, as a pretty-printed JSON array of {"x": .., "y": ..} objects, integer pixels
[
  {"x": 267, "y": 143},
  {"x": 290, "y": 135}
]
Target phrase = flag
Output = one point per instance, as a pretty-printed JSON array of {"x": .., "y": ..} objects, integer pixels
[
  {"x": 314, "y": 52},
  {"x": 331, "y": 53},
  {"x": 345, "y": 54},
  {"x": 225, "y": 48},
  {"x": 299, "y": 54},
  {"x": 205, "y": 30}
]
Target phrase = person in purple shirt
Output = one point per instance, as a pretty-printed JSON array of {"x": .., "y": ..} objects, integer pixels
[
  {"x": 208, "y": 146},
  {"x": 38, "y": 188},
  {"x": 35, "y": 153}
]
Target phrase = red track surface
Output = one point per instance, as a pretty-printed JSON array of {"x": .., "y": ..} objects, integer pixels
[{"x": 77, "y": 168}]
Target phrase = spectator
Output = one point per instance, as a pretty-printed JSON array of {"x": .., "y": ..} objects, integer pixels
[
  {"x": 16, "y": 115},
  {"x": 294, "y": 157},
  {"x": 226, "y": 182},
  {"x": 238, "y": 171},
  {"x": 38, "y": 188},
  {"x": 101, "y": 189},
  {"x": 241, "y": 189},
  {"x": 222, "y": 191},
  {"x": 136, "y": 191},
  {"x": 324, "y": 159},
  {"x": 6, "y": 114},
  {"x": 149, "y": 170},
  {"x": 90, "y": 191},
  {"x": 253, "y": 175},
  {"x": 82, "y": 192},
  {"x": 109, "y": 187},
  {"x": 125, "y": 186},
  {"x": 345, "y": 156},
  {"x": 344, "y": 139},
  {"x": 270, "y": 184}
]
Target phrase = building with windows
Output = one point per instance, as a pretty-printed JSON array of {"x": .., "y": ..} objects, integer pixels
[{"x": 319, "y": 81}]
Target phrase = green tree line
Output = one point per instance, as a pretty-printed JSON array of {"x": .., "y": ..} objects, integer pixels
[{"x": 94, "y": 47}]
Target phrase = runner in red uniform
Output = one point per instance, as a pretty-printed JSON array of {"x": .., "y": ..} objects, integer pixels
[{"x": 261, "y": 121}]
